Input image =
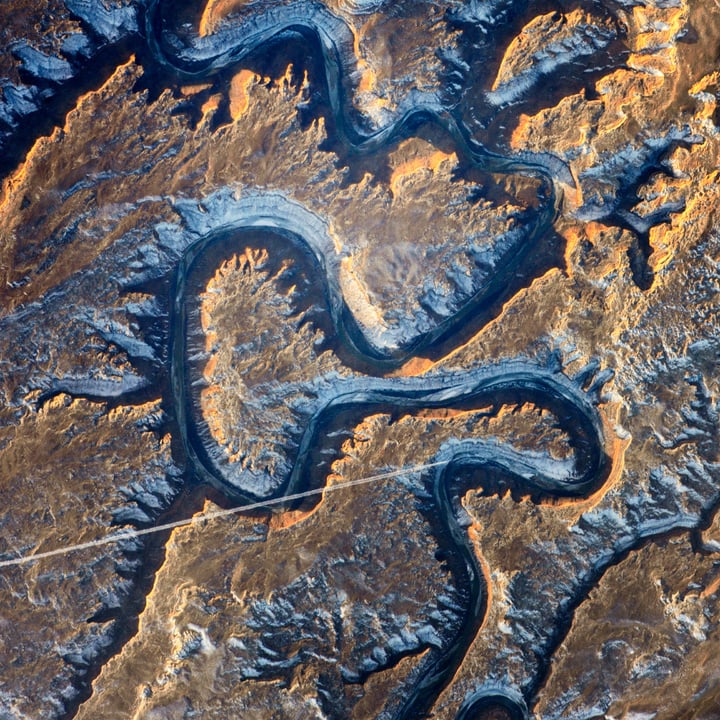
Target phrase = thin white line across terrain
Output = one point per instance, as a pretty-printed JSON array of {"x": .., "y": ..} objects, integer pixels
[{"x": 203, "y": 517}]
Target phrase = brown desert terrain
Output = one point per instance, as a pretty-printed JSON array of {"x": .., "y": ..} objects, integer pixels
[{"x": 369, "y": 351}]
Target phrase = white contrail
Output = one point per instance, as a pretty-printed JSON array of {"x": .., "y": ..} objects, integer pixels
[{"x": 127, "y": 534}]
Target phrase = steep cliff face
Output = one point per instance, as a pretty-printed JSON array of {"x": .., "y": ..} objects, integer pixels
[{"x": 451, "y": 268}]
